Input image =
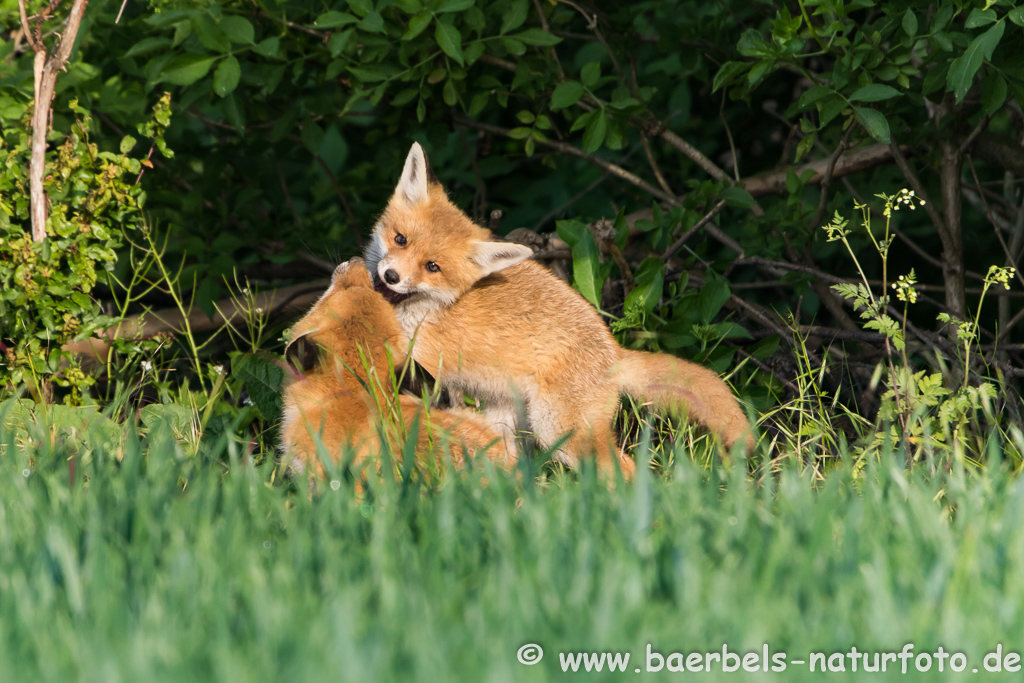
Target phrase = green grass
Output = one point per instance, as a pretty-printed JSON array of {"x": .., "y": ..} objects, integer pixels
[{"x": 155, "y": 565}]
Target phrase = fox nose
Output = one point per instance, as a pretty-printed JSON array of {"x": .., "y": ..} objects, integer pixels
[{"x": 391, "y": 277}]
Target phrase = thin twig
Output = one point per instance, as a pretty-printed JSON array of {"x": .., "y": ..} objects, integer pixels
[{"x": 689, "y": 233}]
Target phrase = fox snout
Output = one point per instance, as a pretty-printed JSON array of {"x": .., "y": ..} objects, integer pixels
[{"x": 391, "y": 276}]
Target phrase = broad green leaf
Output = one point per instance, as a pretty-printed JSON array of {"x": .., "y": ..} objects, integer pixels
[
  {"x": 566, "y": 94},
  {"x": 585, "y": 262},
  {"x": 147, "y": 45},
  {"x": 451, "y": 95},
  {"x": 726, "y": 74},
  {"x": 876, "y": 92},
  {"x": 993, "y": 94},
  {"x": 225, "y": 78},
  {"x": 1016, "y": 15},
  {"x": 238, "y": 29},
  {"x": 965, "y": 67},
  {"x": 361, "y": 7},
  {"x": 738, "y": 197},
  {"x": 210, "y": 35},
  {"x": 417, "y": 24},
  {"x": 570, "y": 231},
  {"x": 874, "y": 123},
  {"x": 187, "y": 69},
  {"x": 514, "y": 16},
  {"x": 268, "y": 47},
  {"x": 262, "y": 378},
  {"x": 450, "y": 41},
  {"x": 334, "y": 20},
  {"x": 127, "y": 143},
  {"x": 339, "y": 41},
  {"x": 712, "y": 297},
  {"x": 980, "y": 17},
  {"x": 179, "y": 418},
  {"x": 371, "y": 74},
  {"x": 910, "y": 23},
  {"x": 312, "y": 136},
  {"x": 594, "y": 135},
  {"x": 372, "y": 23},
  {"x": 590, "y": 74},
  {"x": 536, "y": 36},
  {"x": 812, "y": 95},
  {"x": 454, "y": 5}
]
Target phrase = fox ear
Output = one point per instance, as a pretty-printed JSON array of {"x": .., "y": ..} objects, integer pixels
[
  {"x": 495, "y": 256},
  {"x": 302, "y": 353},
  {"x": 416, "y": 176}
]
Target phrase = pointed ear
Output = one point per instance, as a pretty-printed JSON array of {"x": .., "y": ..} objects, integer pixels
[
  {"x": 495, "y": 256},
  {"x": 416, "y": 176}
]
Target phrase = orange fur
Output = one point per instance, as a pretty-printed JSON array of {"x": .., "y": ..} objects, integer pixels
[
  {"x": 352, "y": 330},
  {"x": 489, "y": 322}
]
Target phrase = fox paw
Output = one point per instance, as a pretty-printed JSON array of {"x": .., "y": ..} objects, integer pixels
[{"x": 352, "y": 273}]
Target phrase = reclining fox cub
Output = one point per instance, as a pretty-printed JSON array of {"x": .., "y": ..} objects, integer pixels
[
  {"x": 494, "y": 324},
  {"x": 343, "y": 395}
]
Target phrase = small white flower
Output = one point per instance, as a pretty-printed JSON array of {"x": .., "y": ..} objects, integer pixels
[
  {"x": 219, "y": 369},
  {"x": 146, "y": 366}
]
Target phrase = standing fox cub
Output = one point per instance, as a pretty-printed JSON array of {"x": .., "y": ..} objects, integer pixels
[
  {"x": 343, "y": 395},
  {"x": 491, "y": 323}
]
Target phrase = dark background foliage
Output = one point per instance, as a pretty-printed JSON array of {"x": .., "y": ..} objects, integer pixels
[{"x": 631, "y": 123}]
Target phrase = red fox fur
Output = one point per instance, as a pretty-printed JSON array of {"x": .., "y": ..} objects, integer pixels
[
  {"x": 351, "y": 329},
  {"x": 490, "y": 322}
]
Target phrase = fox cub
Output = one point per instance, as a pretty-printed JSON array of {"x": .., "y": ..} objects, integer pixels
[
  {"x": 503, "y": 328},
  {"x": 343, "y": 394}
]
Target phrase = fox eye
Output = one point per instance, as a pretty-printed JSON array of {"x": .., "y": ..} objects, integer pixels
[
  {"x": 433, "y": 267},
  {"x": 400, "y": 239}
]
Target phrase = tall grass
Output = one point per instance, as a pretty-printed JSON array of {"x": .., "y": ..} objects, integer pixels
[{"x": 122, "y": 557}]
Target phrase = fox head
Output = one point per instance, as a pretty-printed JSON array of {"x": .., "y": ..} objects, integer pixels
[{"x": 424, "y": 247}]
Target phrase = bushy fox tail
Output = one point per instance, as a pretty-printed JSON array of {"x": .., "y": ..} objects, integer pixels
[{"x": 677, "y": 386}]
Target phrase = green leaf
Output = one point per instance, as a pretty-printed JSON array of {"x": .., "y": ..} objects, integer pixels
[
  {"x": 339, "y": 41},
  {"x": 372, "y": 23},
  {"x": 225, "y": 78},
  {"x": 417, "y": 24},
  {"x": 876, "y": 92},
  {"x": 263, "y": 379},
  {"x": 910, "y": 23},
  {"x": 520, "y": 133},
  {"x": 514, "y": 16},
  {"x": 585, "y": 262},
  {"x": 361, "y": 7},
  {"x": 712, "y": 297},
  {"x": 566, "y": 94},
  {"x": 536, "y": 36},
  {"x": 965, "y": 67},
  {"x": 238, "y": 29},
  {"x": 727, "y": 73},
  {"x": 980, "y": 17},
  {"x": 1016, "y": 15},
  {"x": 451, "y": 95},
  {"x": 209, "y": 33},
  {"x": 312, "y": 136},
  {"x": 334, "y": 20},
  {"x": 268, "y": 47},
  {"x": 874, "y": 123},
  {"x": 570, "y": 231},
  {"x": 454, "y": 5},
  {"x": 590, "y": 74},
  {"x": 187, "y": 69},
  {"x": 127, "y": 143},
  {"x": 179, "y": 418},
  {"x": 595, "y": 133},
  {"x": 450, "y": 41},
  {"x": 993, "y": 94},
  {"x": 738, "y": 197},
  {"x": 147, "y": 45}
]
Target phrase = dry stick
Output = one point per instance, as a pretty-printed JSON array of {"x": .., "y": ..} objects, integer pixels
[
  {"x": 933, "y": 213},
  {"x": 857, "y": 160},
  {"x": 655, "y": 169},
  {"x": 827, "y": 179},
  {"x": 689, "y": 233},
  {"x": 155, "y": 323},
  {"x": 565, "y": 148},
  {"x": 45, "y": 69}
]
